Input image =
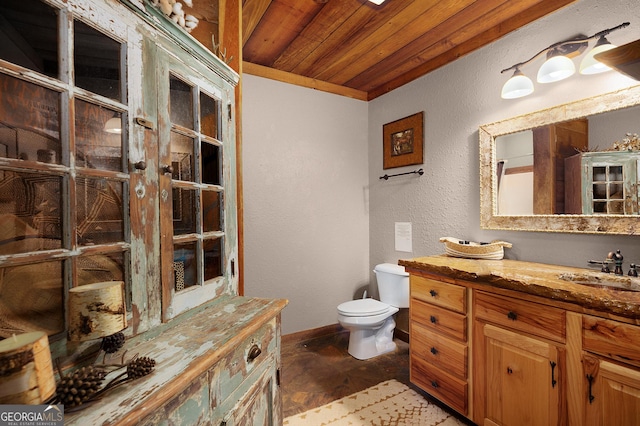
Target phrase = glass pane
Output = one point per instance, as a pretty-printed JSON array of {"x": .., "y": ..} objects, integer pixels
[
  {"x": 96, "y": 146},
  {"x": 184, "y": 266},
  {"x": 99, "y": 211},
  {"x": 182, "y": 157},
  {"x": 213, "y": 258},
  {"x": 211, "y": 163},
  {"x": 34, "y": 44},
  {"x": 615, "y": 173},
  {"x": 184, "y": 211},
  {"x": 616, "y": 207},
  {"x": 599, "y": 174},
  {"x": 31, "y": 298},
  {"x": 616, "y": 191},
  {"x": 97, "y": 62},
  {"x": 29, "y": 121},
  {"x": 211, "y": 211},
  {"x": 30, "y": 212},
  {"x": 209, "y": 116},
  {"x": 180, "y": 103},
  {"x": 600, "y": 191},
  {"x": 100, "y": 267}
]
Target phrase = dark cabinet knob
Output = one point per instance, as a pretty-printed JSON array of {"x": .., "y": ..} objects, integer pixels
[
  {"x": 435, "y": 384},
  {"x": 433, "y": 293},
  {"x": 140, "y": 165},
  {"x": 434, "y": 351},
  {"x": 433, "y": 319},
  {"x": 254, "y": 353},
  {"x": 512, "y": 316},
  {"x": 167, "y": 169}
]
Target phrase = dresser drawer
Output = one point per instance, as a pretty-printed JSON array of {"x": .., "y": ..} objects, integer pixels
[
  {"x": 446, "y": 388},
  {"x": 439, "y": 320},
  {"x": 529, "y": 317},
  {"x": 237, "y": 365},
  {"x": 613, "y": 339},
  {"x": 444, "y": 353},
  {"x": 439, "y": 293}
]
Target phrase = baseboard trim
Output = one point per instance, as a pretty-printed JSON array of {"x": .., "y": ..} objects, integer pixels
[
  {"x": 328, "y": 330},
  {"x": 313, "y": 333}
]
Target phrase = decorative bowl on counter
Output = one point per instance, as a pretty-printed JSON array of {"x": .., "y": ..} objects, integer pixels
[{"x": 457, "y": 247}]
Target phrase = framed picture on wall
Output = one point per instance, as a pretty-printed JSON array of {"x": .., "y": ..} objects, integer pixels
[{"x": 403, "y": 141}]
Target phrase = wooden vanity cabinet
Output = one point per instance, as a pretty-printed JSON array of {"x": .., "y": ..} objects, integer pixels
[
  {"x": 496, "y": 342},
  {"x": 438, "y": 336},
  {"x": 611, "y": 372},
  {"x": 519, "y": 362}
]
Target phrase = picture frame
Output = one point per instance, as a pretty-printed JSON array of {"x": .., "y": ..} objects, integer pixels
[{"x": 403, "y": 141}]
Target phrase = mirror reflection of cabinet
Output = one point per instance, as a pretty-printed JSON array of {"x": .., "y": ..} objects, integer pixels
[{"x": 602, "y": 183}]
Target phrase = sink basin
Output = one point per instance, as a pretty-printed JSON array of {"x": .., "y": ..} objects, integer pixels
[{"x": 602, "y": 280}]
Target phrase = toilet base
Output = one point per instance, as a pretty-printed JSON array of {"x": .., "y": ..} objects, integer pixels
[{"x": 369, "y": 343}]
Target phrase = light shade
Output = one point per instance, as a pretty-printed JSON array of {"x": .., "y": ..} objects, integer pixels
[
  {"x": 378, "y": 2},
  {"x": 96, "y": 310},
  {"x": 113, "y": 125},
  {"x": 517, "y": 86},
  {"x": 591, "y": 65},
  {"x": 556, "y": 68}
]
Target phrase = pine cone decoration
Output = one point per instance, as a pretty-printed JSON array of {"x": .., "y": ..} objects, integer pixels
[
  {"x": 140, "y": 367},
  {"x": 111, "y": 344},
  {"x": 78, "y": 387}
]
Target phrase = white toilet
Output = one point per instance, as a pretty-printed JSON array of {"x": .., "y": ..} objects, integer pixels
[{"x": 369, "y": 321}]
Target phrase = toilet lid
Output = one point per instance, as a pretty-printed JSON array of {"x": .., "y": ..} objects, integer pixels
[{"x": 362, "y": 308}]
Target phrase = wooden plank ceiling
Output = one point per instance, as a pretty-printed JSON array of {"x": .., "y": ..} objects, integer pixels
[{"x": 357, "y": 49}]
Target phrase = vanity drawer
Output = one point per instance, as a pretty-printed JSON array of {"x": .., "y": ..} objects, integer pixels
[
  {"x": 439, "y": 293},
  {"x": 439, "y": 320},
  {"x": 440, "y": 351},
  {"x": 238, "y": 364},
  {"x": 529, "y": 317},
  {"x": 612, "y": 339},
  {"x": 446, "y": 388}
]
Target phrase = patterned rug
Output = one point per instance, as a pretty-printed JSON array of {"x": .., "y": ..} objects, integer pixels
[{"x": 387, "y": 403}]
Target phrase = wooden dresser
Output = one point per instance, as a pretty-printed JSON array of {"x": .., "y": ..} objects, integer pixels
[
  {"x": 221, "y": 367},
  {"x": 512, "y": 343}
]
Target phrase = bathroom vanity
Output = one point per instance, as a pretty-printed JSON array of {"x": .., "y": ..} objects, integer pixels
[{"x": 507, "y": 342}]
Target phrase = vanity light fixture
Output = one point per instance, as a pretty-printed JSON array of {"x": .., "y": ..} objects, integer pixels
[
  {"x": 559, "y": 64},
  {"x": 378, "y": 2},
  {"x": 113, "y": 125}
]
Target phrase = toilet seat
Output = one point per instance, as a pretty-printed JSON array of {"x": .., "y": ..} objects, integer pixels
[{"x": 362, "y": 308}]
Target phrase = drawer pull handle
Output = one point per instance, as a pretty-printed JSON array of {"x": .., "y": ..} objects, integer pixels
[
  {"x": 433, "y": 293},
  {"x": 509, "y": 370},
  {"x": 512, "y": 316},
  {"x": 590, "y": 379},
  {"x": 254, "y": 353},
  {"x": 435, "y": 384},
  {"x": 433, "y": 319},
  {"x": 434, "y": 350},
  {"x": 553, "y": 369}
]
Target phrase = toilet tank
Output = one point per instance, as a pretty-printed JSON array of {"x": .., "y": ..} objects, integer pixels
[{"x": 393, "y": 284}]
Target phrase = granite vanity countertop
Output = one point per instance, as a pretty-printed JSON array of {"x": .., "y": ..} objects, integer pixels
[{"x": 536, "y": 279}]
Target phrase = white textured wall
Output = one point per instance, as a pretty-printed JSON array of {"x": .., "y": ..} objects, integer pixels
[
  {"x": 464, "y": 95},
  {"x": 305, "y": 199}
]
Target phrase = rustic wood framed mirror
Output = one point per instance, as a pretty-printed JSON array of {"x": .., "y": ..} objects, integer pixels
[{"x": 553, "y": 187}]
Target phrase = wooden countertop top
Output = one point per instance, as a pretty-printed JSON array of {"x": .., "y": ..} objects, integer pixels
[
  {"x": 182, "y": 351},
  {"x": 539, "y": 279}
]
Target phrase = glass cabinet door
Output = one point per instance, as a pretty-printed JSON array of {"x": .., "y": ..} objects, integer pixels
[
  {"x": 193, "y": 189},
  {"x": 64, "y": 180}
]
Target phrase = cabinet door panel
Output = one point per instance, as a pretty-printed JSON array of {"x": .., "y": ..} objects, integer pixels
[
  {"x": 522, "y": 383},
  {"x": 613, "y": 399}
]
